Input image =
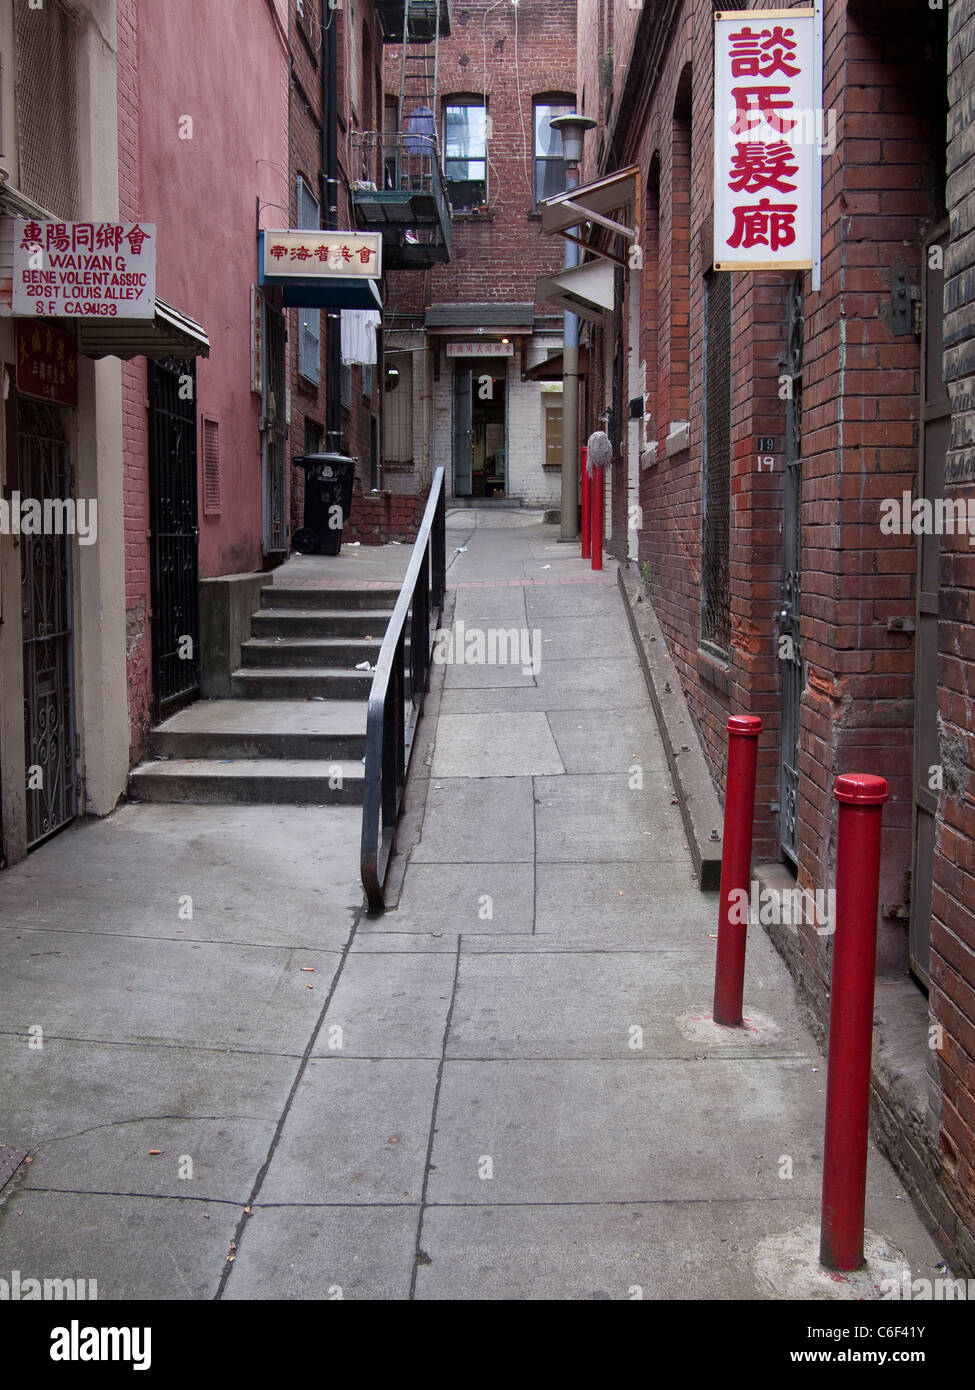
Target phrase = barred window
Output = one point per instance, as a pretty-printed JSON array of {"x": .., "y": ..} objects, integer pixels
[
  {"x": 47, "y": 105},
  {"x": 715, "y": 557},
  {"x": 309, "y": 320}
]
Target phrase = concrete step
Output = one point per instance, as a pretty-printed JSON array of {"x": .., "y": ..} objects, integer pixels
[
  {"x": 319, "y": 729},
  {"x": 254, "y": 781},
  {"x": 286, "y": 596},
  {"x": 300, "y": 682},
  {"x": 344, "y": 653},
  {"x": 308, "y": 622}
]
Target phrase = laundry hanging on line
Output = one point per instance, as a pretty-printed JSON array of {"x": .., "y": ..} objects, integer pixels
[{"x": 359, "y": 336}]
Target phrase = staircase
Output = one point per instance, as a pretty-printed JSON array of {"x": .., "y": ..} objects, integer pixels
[{"x": 294, "y": 731}]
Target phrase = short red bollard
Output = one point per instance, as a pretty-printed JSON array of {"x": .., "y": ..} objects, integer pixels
[
  {"x": 596, "y": 505},
  {"x": 586, "y": 524},
  {"x": 736, "y": 867},
  {"x": 861, "y": 797}
]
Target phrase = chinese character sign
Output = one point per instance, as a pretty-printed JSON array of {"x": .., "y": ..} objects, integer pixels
[
  {"x": 84, "y": 269},
  {"x": 47, "y": 362},
  {"x": 308, "y": 254},
  {"x": 768, "y": 125}
]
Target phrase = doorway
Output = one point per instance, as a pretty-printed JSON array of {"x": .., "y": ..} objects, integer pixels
[
  {"x": 46, "y": 600},
  {"x": 480, "y": 428},
  {"x": 175, "y": 535},
  {"x": 274, "y": 431},
  {"x": 935, "y": 414}
]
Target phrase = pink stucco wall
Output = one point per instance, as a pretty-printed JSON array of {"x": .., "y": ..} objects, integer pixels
[{"x": 224, "y": 65}]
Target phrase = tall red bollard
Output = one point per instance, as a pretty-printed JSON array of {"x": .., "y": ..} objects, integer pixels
[
  {"x": 596, "y": 505},
  {"x": 736, "y": 867},
  {"x": 861, "y": 797},
  {"x": 585, "y": 527}
]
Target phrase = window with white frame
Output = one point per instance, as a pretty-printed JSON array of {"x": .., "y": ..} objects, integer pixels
[
  {"x": 550, "y": 161},
  {"x": 465, "y": 152},
  {"x": 309, "y": 320}
]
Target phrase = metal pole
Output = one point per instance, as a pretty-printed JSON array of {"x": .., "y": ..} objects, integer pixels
[
  {"x": 736, "y": 865},
  {"x": 330, "y": 219},
  {"x": 570, "y": 394},
  {"x": 861, "y": 797},
  {"x": 596, "y": 509}
]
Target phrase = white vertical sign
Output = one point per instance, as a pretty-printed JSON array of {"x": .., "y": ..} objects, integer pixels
[{"x": 769, "y": 133}]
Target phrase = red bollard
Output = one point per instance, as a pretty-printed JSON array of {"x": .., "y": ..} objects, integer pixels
[
  {"x": 736, "y": 867},
  {"x": 586, "y": 524},
  {"x": 596, "y": 504},
  {"x": 861, "y": 797}
]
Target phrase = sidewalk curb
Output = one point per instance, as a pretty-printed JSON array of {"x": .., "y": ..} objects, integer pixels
[{"x": 699, "y": 805}]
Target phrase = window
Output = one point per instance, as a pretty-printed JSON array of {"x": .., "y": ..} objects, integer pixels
[
  {"x": 550, "y": 163},
  {"x": 465, "y": 153},
  {"x": 309, "y": 320},
  {"x": 47, "y": 102},
  {"x": 552, "y": 407}
]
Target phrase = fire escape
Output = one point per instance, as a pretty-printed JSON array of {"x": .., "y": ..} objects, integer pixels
[{"x": 398, "y": 185}]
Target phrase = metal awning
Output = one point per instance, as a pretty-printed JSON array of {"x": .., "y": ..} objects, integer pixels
[
  {"x": 617, "y": 193},
  {"x": 585, "y": 290},
  {"x": 332, "y": 292},
  {"x": 499, "y": 318},
  {"x": 168, "y": 334},
  {"x": 553, "y": 368}
]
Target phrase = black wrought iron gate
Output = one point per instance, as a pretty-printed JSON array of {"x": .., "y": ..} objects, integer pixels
[
  {"x": 787, "y": 618},
  {"x": 45, "y": 571},
  {"x": 175, "y": 536},
  {"x": 274, "y": 431}
]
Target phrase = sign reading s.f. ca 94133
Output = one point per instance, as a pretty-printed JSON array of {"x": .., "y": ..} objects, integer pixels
[
  {"x": 768, "y": 139},
  {"x": 85, "y": 269}
]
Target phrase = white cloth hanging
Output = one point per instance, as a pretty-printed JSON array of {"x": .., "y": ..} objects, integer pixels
[{"x": 359, "y": 336}]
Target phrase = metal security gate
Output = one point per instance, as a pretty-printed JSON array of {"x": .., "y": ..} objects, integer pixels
[
  {"x": 45, "y": 576},
  {"x": 175, "y": 535},
  {"x": 787, "y": 617},
  {"x": 273, "y": 431},
  {"x": 463, "y": 432},
  {"x": 716, "y": 575}
]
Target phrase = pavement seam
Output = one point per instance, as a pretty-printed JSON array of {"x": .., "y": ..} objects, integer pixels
[
  {"x": 420, "y": 1254},
  {"x": 282, "y": 1119}
]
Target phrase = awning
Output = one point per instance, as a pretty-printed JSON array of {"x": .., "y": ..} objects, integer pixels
[
  {"x": 498, "y": 318},
  {"x": 593, "y": 202},
  {"x": 332, "y": 292},
  {"x": 585, "y": 290},
  {"x": 168, "y": 334},
  {"x": 553, "y": 368}
]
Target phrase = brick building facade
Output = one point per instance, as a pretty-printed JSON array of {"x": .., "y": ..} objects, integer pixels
[
  {"x": 516, "y": 65},
  {"x": 771, "y": 411}
]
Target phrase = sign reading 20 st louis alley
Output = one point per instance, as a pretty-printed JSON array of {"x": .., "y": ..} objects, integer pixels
[
  {"x": 768, "y": 139},
  {"x": 84, "y": 269}
]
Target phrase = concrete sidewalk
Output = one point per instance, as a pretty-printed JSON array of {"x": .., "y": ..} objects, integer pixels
[{"x": 507, "y": 1086}]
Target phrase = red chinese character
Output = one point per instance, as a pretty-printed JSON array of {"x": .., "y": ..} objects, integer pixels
[
  {"x": 346, "y": 253},
  {"x": 764, "y": 225},
  {"x": 32, "y": 233},
  {"x": 755, "y": 166},
  {"x": 84, "y": 236},
  {"x": 321, "y": 252},
  {"x": 108, "y": 236},
  {"x": 764, "y": 53},
  {"x": 300, "y": 253},
  {"x": 57, "y": 237},
  {"x": 366, "y": 254},
  {"x": 752, "y": 104},
  {"x": 278, "y": 251},
  {"x": 136, "y": 237}
]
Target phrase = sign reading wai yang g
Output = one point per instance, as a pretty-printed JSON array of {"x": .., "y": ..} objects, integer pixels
[
  {"x": 85, "y": 269},
  {"x": 768, "y": 140}
]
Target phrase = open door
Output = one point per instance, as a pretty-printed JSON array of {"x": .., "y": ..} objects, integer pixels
[{"x": 462, "y": 453}]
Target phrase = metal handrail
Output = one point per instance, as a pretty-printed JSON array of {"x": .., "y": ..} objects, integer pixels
[{"x": 396, "y": 694}]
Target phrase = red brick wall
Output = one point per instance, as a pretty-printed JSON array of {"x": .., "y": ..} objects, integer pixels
[{"x": 380, "y": 517}]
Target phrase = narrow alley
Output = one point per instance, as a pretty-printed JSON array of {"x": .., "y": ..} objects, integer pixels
[{"x": 504, "y": 1087}]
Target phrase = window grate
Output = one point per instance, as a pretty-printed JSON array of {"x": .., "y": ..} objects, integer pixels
[
  {"x": 47, "y": 105},
  {"x": 715, "y": 567}
]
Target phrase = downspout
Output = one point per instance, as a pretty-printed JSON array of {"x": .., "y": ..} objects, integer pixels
[{"x": 330, "y": 181}]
